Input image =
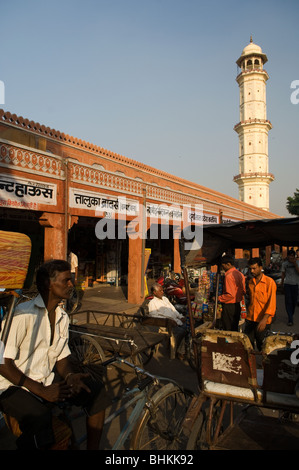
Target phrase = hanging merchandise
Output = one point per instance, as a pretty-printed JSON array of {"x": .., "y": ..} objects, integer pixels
[
  {"x": 243, "y": 308},
  {"x": 213, "y": 280},
  {"x": 200, "y": 304},
  {"x": 203, "y": 306}
]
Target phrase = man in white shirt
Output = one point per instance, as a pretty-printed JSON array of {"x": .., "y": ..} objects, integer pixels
[
  {"x": 38, "y": 342},
  {"x": 161, "y": 307},
  {"x": 290, "y": 283},
  {"x": 72, "y": 302},
  {"x": 73, "y": 261}
]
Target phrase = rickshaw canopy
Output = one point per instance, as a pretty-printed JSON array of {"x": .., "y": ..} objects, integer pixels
[
  {"x": 15, "y": 251},
  {"x": 219, "y": 238}
]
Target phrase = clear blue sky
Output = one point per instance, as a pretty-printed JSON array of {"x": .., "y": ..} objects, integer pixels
[{"x": 154, "y": 80}]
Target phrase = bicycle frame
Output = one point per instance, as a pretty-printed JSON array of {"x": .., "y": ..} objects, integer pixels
[{"x": 139, "y": 398}]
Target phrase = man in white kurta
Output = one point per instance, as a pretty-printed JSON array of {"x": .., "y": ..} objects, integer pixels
[
  {"x": 29, "y": 342},
  {"x": 37, "y": 345},
  {"x": 161, "y": 307}
]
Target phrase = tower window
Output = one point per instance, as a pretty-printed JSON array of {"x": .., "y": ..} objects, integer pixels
[{"x": 257, "y": 63}]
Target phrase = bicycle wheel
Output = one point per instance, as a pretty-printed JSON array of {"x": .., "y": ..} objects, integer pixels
[
  {"x": 197, "y": 439},
  {"x": 160, "y": 425},
  {"x": 87, "y": 355},
  {"x": 203, "y": 431},
  {"x": 189, "y": 349}
]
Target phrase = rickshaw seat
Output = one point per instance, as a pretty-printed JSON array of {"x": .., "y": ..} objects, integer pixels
[
  {"x": 228, "y": 366},
  {"x": 275, "y": 342},
  {"x": 162, "y": 325},
  {"x": 280, "y": 374}
]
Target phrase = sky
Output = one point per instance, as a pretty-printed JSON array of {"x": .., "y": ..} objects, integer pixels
[{"x": 155, "y": 80}]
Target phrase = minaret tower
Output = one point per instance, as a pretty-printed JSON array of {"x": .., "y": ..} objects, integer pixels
[{"x": 254, "y": 177}]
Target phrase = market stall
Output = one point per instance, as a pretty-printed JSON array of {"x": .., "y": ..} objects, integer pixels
[{"x": 222, "y": 238}]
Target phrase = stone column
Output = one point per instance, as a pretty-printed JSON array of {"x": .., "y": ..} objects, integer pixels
[
  {"x": 238, "y": 253},
  {"x": 176, "y": 256},
  {"x": 134, "y": 271},
  {"x": 255, "y": 252},
  {"x": 54, "y": 239}
]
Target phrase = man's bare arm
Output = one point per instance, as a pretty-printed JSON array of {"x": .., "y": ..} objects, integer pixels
[{"x": 52, "y": 393}]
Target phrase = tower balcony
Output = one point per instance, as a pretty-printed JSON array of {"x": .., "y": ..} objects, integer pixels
[
  {"x": 249, "y": 122},
  {"x": 252, "y": 70},
  {"x": 248, "y": 176}
]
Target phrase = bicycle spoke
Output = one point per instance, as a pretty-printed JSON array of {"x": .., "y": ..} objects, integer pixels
[{"x": 161, "y": 428}]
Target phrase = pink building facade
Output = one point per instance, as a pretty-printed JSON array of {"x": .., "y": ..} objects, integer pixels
[{"x": 65, "y": 192}]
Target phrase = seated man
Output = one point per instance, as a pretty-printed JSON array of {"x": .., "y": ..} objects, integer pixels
[
  {"x": 38, "y": 343},
  {"x": 161, "y": 307}
]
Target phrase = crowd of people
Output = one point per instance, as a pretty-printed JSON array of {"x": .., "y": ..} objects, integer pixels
[{"x": 257, "y": 290}]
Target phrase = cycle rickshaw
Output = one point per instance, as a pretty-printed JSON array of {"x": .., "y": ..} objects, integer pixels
[
  {"x": 233, "y": 376},
  {"x": 169, "y": 402}
]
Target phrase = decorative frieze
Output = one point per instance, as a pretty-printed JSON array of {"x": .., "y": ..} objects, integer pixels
[{"x": 25, "y": 160}]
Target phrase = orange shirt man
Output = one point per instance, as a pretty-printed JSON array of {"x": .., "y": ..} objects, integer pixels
[
  {"x": 262, "y": 303},
  {"x": 233, "y": 292},
  {"x": 234, "y": 286}
]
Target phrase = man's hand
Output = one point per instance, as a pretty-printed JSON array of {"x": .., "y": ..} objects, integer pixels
[
  {"x": 60, "y": 391},
  {"x": 262, "y": 324},
  {"x": 66, "y": 389},
  {"x": 76, "y": 383}
]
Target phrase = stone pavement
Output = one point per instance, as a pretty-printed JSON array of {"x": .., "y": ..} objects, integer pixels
[{"x": 107, "y": 298}]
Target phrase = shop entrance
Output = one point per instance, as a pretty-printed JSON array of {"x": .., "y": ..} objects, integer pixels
[
  {"x": 101, "y": 261},
  {"x": 160, "y": 241}
]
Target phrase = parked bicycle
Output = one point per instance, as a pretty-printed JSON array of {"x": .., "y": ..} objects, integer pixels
[{"x": 159, "y": 404}]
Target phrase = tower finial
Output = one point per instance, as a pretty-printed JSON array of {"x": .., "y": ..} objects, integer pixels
[{"x": 251, "y": 38}]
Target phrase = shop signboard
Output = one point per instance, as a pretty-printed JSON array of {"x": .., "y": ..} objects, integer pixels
[
  {"x": 102, "y": 204},
  {"x": 226, "y": 220},
  {"x": 20, "y": 193},
  {"x": 198, "y": 217},
  {"x": 163, "y": 211}
]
